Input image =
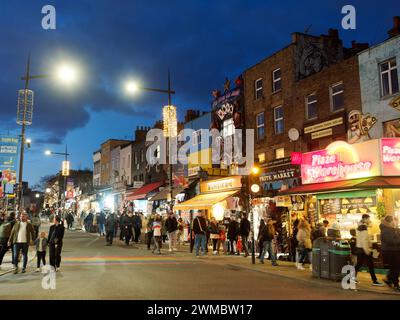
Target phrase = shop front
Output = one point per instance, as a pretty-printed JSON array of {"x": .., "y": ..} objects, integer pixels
[
  {"x": 343, "y": 182},
  {"x": 138, "y": 199}
]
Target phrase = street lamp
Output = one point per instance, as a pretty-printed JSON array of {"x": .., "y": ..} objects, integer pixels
[
  {"x": 37, "y": 195},
  {"x": 65, "y": 166},
  {"x": 132, "y": 87},
  {"x": 25, "y": 107}
]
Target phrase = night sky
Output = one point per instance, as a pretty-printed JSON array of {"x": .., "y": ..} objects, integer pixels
[{"x": 202, "y": 42}]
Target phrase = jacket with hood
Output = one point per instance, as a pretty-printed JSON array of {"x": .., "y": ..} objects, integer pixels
[
  {"x": 390, "y": 236},
  {"x": 363, "y": 239}
]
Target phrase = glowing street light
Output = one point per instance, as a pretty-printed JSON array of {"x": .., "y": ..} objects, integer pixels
[
  {"x": 47, "y": 152},
  {"x": 37, "y": 195}
]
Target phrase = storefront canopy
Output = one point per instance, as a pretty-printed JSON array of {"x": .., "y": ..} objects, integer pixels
[
  {"x": 141, "y": 193},
  {"x": 204, "y": 201},
  {"x": 163, "y": 195},
  {"x": 355, "y": 184}
]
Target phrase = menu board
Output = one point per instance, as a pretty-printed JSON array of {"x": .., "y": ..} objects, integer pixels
[{"x": 348, "y": 205}]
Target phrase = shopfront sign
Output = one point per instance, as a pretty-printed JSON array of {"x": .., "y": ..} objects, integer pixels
[
  {"x": 286, "y": 172},
  {"x": 221, "y": 184},
  {"x": 296, "y": 157},
  {"x": 138, "y": 184},
  {"x": 321, "y": 134},
  {"x": 341, "y": 161},
  {"x": 283, "y": 201},
  {"x": 324, "y": 125},
  {"x": 390, "y": 149},
  {"x": 193, "y": 171}
]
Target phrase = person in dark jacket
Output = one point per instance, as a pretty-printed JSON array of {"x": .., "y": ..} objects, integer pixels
[
  {"x": 89, "y": 222},
  {"x": 199, "y": 229},
  {"x": 101, "y": 220},
  {"x": 390, "y": 237},
  {"x": 214, "y": 234},
  {"x": 267, "y": 235},
  {"x": 259, "y": 240},
  {"x": 149, "y": 229},
  {"x": 244, "y": 232},
  {"x": 4, "y": 236},
  {"x": 70, "y": 220},
  {"x": 55, "y": 240},
  {"x": 110, "y": 224},
  {"x": 127, "y": 224},
  {"x": 137, "y": 226},
  {"x": 121, "y": 226},
  {"x": 171, "y": 224},
  {"x": 233, "y": 231}
]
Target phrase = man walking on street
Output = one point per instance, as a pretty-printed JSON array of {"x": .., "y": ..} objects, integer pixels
[
  {"x": 22, "y": 234},
  {"x": 199, "y": 228},
  {"x": 5, "y": 231},
  {"x": 111, "y": 222},
  {"x": 137, "y": 226},
  {"x": 172, "y": 228},
  {"x": 244, "y": 231},
  {"x": 363, "y": 244},
  {"x": 56, "y": 236}
]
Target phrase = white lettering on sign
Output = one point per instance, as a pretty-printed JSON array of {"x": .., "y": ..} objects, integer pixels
[
  {"x": 318, "y": 159},
  {"x": 390, "y": 154},
  {"x": 339, "y": 170}
]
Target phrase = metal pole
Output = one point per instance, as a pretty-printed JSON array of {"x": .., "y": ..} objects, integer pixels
[
  {"x": 65, "y": 177},
  {"x": 250, "y": 211},
  {"x": 21, "y": 155},
  {"x": 170, "y": 155}
]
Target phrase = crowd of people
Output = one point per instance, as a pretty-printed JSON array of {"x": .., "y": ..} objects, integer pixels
[{"x": 18, "y": 232}]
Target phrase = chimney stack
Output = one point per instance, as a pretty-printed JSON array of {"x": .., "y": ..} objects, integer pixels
[{"x": 396, "y": 27}]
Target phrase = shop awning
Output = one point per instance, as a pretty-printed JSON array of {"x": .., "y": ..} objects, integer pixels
[
  {"x": 141, "y": 193},
  {"x": 163, "y": 195},
  {"x": 355, "y": 184},
  {"x": 204, "y": 201}
]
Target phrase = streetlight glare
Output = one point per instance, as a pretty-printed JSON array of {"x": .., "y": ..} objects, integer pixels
[
  {"x": 37, "y": 195},
  {"x": 47, "y": 152},
  {"x": 48, "y": 190},
  {"x": 131, "y": 87},
  {"x": 28, "y": 140},
  {"x": 255, "y": 170},
  {"x": 67, "y": 73}
]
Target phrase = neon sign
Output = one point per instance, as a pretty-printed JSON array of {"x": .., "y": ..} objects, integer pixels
[{"x": 390, "y": 149}]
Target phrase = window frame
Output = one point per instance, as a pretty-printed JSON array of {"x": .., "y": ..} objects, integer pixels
[
  {"x": 256, "y": 90},
  {"x": 225, "y": 128},
  {"x": 279, "y": 119},
  {"x": 331, "y": 95},
  {"x": 307, "y": 103},
  {"x": 264, "y": 155},
  {"x": 275, "y": 80},
  {"x": 389, "y": 73},
  {"x": 276, "y": 150},
  {"x": 260, "y": 126}
]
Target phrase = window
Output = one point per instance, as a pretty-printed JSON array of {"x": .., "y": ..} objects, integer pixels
[
  {"x": 141, "y": 155},
  {"x": 278, "y": 119},
  {"x": 279, "y": 153},
  {"x": 258, "y": 86},
  {"x": 336, "y": 92},
  {"x": 389, "y": 78},
  {"x": 260, "y": 122},
  {"x": 311, "y": 106},
  {"x": 276, "y": 80},
  {"x": 228, "y": 128},
  {"x": 196, "y": 138},
  {"x": 261, "y": 157}
]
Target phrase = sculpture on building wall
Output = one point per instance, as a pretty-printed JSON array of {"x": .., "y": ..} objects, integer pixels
[{"x": 359, "y": 126}]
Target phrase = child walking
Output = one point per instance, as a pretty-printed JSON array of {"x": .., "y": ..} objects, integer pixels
[{"x": 41, "y": 248}]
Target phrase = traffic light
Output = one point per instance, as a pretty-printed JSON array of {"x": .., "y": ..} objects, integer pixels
[{"x": 254, "y": 179}]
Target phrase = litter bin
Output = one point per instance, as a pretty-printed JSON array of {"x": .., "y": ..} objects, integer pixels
[
  {"x": 320, "y": 258},
  {"x": 325, "y": 244},
  {"x": 339, "y": 256}
]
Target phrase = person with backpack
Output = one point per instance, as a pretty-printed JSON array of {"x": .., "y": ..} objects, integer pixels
[
  {"x": 267, "y": 235},
  {"x": 5, "y": 232}
]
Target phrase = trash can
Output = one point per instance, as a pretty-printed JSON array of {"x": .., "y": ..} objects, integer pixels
[
  {"x": 325, "y": 244},
  {"x": 339, "y": 256},
  {"x": 320, "y": 258}
]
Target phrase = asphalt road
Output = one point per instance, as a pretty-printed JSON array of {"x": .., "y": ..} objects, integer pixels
[{"x": 91, "y": 270}]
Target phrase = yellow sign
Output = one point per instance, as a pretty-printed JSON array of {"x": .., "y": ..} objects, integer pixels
[
  {"x": 65, "y": 168},
  {"x": 323, "y": 125},
  {"x": 219, "y": 185},
  {"x": 322, "y": 133}
]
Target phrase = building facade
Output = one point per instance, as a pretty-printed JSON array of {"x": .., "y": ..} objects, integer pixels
[{"x": 96, "y": 168}]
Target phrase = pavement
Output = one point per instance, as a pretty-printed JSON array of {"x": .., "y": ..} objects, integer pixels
[{"x": 91, "y": 270}]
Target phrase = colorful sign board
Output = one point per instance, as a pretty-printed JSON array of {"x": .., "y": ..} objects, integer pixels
[
  {"x": 341, "y": 161},
  {"x": 324, "y": 125},
  {"x": 296, "y": 157},
  {"x": 9, "y": 152},
  {"x": 220, "y": 185},
  {"x": 390, "y": 150}
]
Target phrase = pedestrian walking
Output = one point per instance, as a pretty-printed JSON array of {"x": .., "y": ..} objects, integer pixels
[
  {"x": 171, "y": 224},
  {"x": 137, "y": 226},
  {"x": 199, "y": 229},
  {"x": 101, "y": 220},
  {"x": 244, "y": 232},
  {"x": 70, "y": 220},
  {"x": 233, "y": 231},
  {"x": 55, "y": 240},
  {"x": 36, "y": 222},
  {"x": 5, "y": 232},
  {"x": 390, "y": 238},
  {"x": 181, "y": 226},
  {"x": 259, "y": 237},
  {"x": 214, "y": 235},
  {"x": 149, "y": 230},
  {"x": 22, "y": 235},
  {"x": 127, "y": 224},
  {"x": 41, "y": 248},
  {"x": 364, "y": 250},
  {"x": 121, "y": 226},
  {"x": 157, "y": 234},
  {"x": 222, "y": 239},
  {"x": 110, "y": 223},
  {"x": 267, "y": 236},
  {"x": 304, "y": 244},
  {"x": 164, "y": 231}
]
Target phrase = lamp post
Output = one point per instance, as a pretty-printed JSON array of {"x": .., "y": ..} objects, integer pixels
[
  {"x": 24, "y": 113},
  {"x": 65, "y": 167},
  {"x": 132, "y": 87}
]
